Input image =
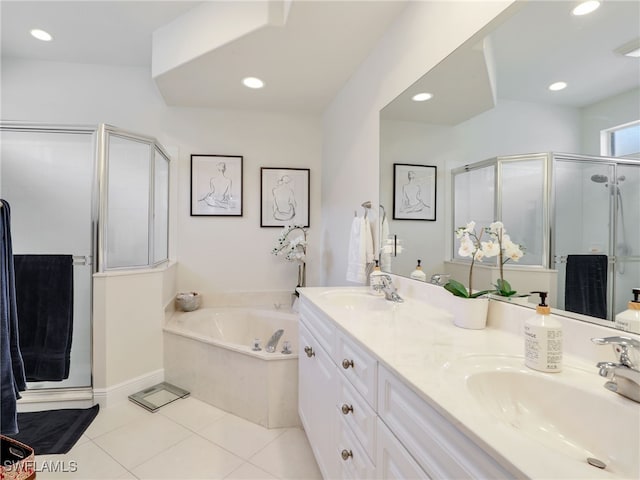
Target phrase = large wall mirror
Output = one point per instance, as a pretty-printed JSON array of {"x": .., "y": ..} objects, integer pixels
[{"x": 579, "y": 146}]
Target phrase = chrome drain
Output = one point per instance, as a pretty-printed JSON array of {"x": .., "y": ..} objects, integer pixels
[{"x": 596, "y": 463}]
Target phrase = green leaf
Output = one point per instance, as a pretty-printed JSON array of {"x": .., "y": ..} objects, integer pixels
[
  {"x": 503, "y": 288},
  {"x": 479, "y": 294},
  {"x": 456, "y": 288}
]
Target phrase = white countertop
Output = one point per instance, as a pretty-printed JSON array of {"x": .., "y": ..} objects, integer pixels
[{"x": 432, "y": 356}]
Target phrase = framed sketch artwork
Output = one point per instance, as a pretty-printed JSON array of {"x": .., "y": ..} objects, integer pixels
[
  {"x": 284, "y": 194},
  {"x": 216, "y": 185},
  {"x": 414, "y": 192}
]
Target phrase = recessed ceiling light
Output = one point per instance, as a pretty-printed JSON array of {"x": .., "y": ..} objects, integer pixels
[
  {"x": 421, "y": 97},
  {"x": 253, "y": 82},
  {"x": 633, "y": 53},
  {"x": 41, "y": 35},
  {"x": 586, "y": 7},
  {"x": 630, "y": 49},
  {"x": 557, "y": 86}
]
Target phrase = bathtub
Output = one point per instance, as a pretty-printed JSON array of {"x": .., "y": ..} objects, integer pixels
[{"x": 209, "y": 353}]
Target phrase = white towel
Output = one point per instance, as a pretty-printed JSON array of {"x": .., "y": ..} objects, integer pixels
[
  {"x": 385, "y": 252},
  {"x": 360, "y": 250},
  {"x": 368, "y": 237}
]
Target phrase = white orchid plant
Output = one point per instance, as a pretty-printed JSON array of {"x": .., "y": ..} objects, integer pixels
[
  {"x": 471, "y": 245},
  {"x": 502, "y": 246},
  {"x": 293, "y": 248}
]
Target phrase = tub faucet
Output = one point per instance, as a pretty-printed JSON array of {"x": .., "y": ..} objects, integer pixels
[
  {"x": 389, "y": 289},
  {"x": 272, "y": 344},
  {"x": 624, "y": 376}
]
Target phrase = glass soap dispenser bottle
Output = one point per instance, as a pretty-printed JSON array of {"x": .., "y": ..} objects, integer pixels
[
  {"x": 376, "y": 281},
  {"x": 543, "y": 339},
  {"x": 418, "y": 274},
  {"x": 629, "y": 320}
]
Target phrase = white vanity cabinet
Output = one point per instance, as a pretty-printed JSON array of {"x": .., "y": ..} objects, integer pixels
[
  {"x": 364, "y": 422},
  {"x": 438, "y": 447}
]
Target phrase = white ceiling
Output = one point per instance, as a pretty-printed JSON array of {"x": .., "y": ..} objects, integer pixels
[
  {"x": 304, "y": 63},
  {"x": 539, "y": 43}
]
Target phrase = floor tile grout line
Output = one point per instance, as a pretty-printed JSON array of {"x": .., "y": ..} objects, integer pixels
[
  {"x": 172, "y": 445},
  {"x": 111, "y": 456}
]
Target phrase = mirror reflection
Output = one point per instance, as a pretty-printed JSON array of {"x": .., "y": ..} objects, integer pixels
[{"x": 559, "y": 167}]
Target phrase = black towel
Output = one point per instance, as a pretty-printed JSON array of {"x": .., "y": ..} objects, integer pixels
[
  {"x": 586, "y": 285},
  {"x": 44, "y": 292},
  {"x": 12, "y": 379}
]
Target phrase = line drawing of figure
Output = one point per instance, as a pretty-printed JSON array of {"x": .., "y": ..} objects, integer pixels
[
  {"x": 284, "y": 199},
  {"x": 219, "y": 194},
  {"x": 412, "y": 195}
]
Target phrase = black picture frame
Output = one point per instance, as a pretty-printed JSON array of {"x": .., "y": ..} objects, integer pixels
[
  {"x": 216, "y": 185},
  {"x": 414, "y": 192},
  {"x": 284, "y": 196}
]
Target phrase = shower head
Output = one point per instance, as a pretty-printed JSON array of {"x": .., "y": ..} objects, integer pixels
[{"x": 599, "y": 178}]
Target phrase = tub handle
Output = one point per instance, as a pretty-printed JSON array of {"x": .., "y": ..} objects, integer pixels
[
  {"x": 346, "y": 409},
  {"x": 347, "y": 363},
  {"x": 346, "y": 454},
  {"x": 309, "y": 351}
]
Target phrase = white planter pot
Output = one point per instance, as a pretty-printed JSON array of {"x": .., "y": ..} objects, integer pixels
[{"x": 470, "y": 312}]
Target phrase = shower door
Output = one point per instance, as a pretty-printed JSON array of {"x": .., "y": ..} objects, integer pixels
[
  {"x": 596, "y": 212},
  {"x": 627, "y": 241},
  {"x": 47, "y": 176}
]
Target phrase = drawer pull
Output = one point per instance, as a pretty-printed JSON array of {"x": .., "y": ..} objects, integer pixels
[
  {"x": 309, "y": 351},
  {"x": 346, "y": 454},
  {"x": 347, "y": 363},
  {"x": 346, "y": 409}
]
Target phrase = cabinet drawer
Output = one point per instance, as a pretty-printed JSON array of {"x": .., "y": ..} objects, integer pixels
[
  {"x": 392, "y": 459},
  {"x": 358, "y": 415},
  {"x": 358, "y": 367},
  {"x": 353, "y": 460},
  {"x": 438, "y": 447},
  {"x": 319, "y": 325}
]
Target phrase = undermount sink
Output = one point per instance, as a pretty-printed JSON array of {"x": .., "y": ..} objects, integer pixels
[
  {"x": 568, "y": 412},
  {"x": 355, "y": 299}
]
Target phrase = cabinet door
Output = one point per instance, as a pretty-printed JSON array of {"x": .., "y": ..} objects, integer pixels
[
  {"x": 393, "y": 461},
  {"x": 316, "y": 401}
]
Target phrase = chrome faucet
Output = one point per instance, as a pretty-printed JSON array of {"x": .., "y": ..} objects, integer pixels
[
  {"x": 439, "y": 279},
  {"x": 390, "y": 292},
  {"x": 624, "y": 376},
  {"x": 272, "y": 344}
]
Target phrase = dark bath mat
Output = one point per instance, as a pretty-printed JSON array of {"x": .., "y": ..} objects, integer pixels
[{"x": 54, "y": 431}]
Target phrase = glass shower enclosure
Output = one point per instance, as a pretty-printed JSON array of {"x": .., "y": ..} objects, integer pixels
[
  {"x": 576, "y": 211},
  {"x": 97, "y": 194}
]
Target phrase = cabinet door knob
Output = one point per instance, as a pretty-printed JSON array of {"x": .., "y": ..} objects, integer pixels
[
  {"x": 346, "y": 409},
  {"x": 347, "y": 363},
  {"x": 346, "y": 454},
  {"x": 309, "y": 351}
]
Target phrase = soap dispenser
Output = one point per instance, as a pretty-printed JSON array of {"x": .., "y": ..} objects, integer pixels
[
  {"x": 376, "y": 281},
  {"x": 629, "y": 320},
  {"x": 543, "y": 339},
  {"x": 418, "y": 274}
]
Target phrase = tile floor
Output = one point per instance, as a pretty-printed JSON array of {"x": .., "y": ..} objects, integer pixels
[{"x": 187, "y": 439}]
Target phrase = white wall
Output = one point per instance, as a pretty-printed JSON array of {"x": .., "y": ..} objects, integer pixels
[
  {"x": 608, "y": 113},
  {"x": 214, "y": 254},
  {"x": 423, "y": 35}
]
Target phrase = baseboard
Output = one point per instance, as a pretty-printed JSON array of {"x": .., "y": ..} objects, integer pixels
[
  {"x": 120, "y": 392},
  {"x": 52, "y": 399}
]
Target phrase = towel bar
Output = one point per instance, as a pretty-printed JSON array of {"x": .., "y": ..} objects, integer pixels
[{"x": 82, "y": 260}]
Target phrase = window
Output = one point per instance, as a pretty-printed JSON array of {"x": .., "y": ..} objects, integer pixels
[{"x": 622, "y": 141}]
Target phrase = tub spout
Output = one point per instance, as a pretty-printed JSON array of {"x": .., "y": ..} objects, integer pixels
[{"x": 272, "y": 344}]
